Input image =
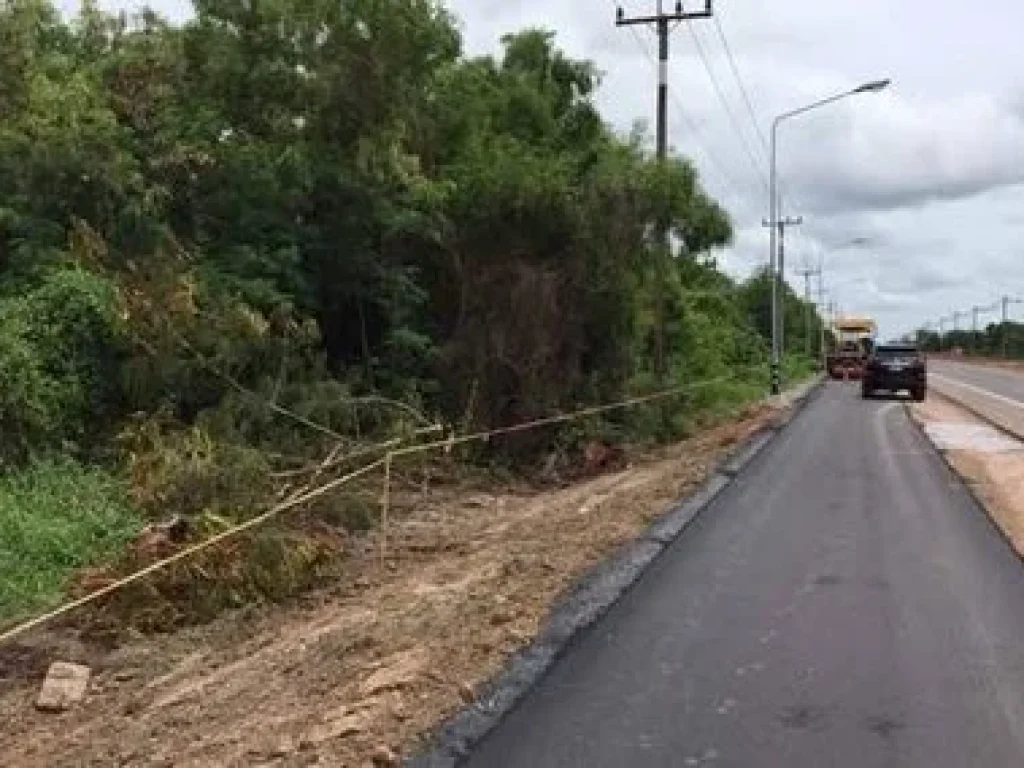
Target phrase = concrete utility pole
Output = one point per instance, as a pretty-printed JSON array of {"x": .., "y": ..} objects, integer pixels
[
  {"x": 1006, "y": 302},
  {"x": 779, "y": 282},
  {"x": 975, "y": 311},
  {"x": 662, "y": 20},
  {"x": 942, "y": 332},
  {"x": 974, "y": 328},
  {"x": 807, "y": 273},
  {"x": 957, "y": 314},
  {"x": 830, "y": 314},
  {"x": 822, "y": 352}
]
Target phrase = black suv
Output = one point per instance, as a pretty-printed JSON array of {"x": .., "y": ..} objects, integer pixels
[{"x": 893, "y": 367}]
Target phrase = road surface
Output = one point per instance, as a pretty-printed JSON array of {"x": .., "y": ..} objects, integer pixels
[
  {"x": 995, "y": 393},
  {"x": 844, "y": 603},
  {"x": 1002, "y": 382}
]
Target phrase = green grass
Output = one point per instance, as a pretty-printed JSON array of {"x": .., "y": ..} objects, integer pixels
[
  {"x": 56, "y": 516},
  {"x": 796, "y": 369}
]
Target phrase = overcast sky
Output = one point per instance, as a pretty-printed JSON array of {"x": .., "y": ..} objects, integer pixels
[{"x": 931, "y": 172}]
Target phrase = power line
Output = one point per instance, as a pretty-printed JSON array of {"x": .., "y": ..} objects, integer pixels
[
  {"x": 713, "y": 160},
  {"x": 728, "y": 110},
  {"x": 739, "y": 81},
  {"x": 745, "y": 95}
]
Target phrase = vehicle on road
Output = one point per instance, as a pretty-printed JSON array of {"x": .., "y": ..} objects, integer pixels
[
  {"x": 896, "y": 367},
  {"x": 853, "y": 339}
]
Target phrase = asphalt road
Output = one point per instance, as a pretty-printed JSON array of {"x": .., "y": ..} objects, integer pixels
[
  {"x": 844, "y": 603},
  {"x": 1002, "y": 382}
]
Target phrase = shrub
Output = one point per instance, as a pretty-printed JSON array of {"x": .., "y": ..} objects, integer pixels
[
  {"x": 60, "y": 346},
  {"x": 55, "y": 517}
]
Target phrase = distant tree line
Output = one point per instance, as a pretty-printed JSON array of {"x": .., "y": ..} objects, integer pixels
[{"x": 996, "y": 340}]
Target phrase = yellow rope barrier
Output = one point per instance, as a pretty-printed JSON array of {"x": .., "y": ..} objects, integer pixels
[
  {"x": 185, "y": 553},
  {"x": 385, "y": 462}
]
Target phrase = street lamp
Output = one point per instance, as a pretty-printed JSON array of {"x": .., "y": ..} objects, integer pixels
[{"x": 870, "y": 87}]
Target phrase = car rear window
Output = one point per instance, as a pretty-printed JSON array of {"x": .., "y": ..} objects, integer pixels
[{"x": 894, "y": 353}]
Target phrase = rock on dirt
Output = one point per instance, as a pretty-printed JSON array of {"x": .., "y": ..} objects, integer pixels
[
  {"x": 384, "y": 757},
  {"x": 401, "y": 671},
  {"x": 64, "y": 686},
  {"x": 345, "y": 724}
]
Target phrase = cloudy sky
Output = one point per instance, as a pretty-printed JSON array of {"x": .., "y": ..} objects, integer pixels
[{"x": 928, "y": 177}]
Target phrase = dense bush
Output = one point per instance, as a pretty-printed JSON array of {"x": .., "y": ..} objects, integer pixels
[{"x": 60, "y": 351}]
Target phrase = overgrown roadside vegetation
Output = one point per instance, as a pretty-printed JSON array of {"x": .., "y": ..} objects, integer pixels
[
  {"x": 238, "y": 253},
  {"x": 356, "y": 674}
]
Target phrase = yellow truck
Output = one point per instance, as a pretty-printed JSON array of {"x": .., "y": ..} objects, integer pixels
[{"x": 853, "y": 338}]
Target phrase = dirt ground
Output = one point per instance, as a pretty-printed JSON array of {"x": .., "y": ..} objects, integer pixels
[
  {"x": 992, "y": 463},
  {"x": 351, "y": 676}
]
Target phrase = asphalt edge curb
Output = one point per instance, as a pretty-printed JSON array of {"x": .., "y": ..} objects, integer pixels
[
  {"x": 592, "y": 595},
  {"x": 968, "y": 486}
]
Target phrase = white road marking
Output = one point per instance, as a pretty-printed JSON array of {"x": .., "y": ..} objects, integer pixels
[{"x": 979, "y": 390}]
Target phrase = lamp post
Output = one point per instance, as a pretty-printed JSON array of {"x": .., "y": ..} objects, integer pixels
[{"x": 871, "y": 87}]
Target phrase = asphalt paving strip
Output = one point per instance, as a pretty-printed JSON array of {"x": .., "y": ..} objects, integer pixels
[
  {"x": 844, "y": 602},
  {"x": 589, "y": 600}
]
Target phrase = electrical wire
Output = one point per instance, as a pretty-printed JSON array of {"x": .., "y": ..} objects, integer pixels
[
  {"x": 752, "y": 113},
  {"x": 755, "y": 163},
  {"x": 739, "y": 81},
  {"x": 713, "y": 160}
]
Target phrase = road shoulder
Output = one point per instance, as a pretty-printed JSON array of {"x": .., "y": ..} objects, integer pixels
[
  {"x": 360, "y": 671},
  {"x": 594, "y": 594},
  {"x": 986, "y": 458}
]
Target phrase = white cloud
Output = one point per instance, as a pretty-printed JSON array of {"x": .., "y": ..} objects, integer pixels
[{"x": 895, "y": 153}]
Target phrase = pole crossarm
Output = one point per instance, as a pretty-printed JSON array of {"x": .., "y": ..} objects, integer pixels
[{"x": 621, "y": 20}]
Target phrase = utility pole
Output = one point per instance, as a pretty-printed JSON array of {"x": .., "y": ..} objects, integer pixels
[
  {"x": 662, "y": 21},
  {"x": 975, "y": 311},
  {"x": 822, "y": 353},
  {"x": 1006, "y": 302},
  {"x": 974, "y": 328},
  {"x": 957, "y": 314},
  {"x": 831, "y": 314},
  {"x": 807, "y": 273},
  {"x": 780, "y": 281},
  {"x": 942, "y": 332}
]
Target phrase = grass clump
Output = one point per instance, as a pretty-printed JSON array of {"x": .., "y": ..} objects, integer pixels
[{"x": 57, "y": 516}]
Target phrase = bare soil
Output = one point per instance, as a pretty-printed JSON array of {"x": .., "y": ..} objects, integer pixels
[
  {"x": 997, "y": 477},
  {"x": 352, "y": 675}
]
